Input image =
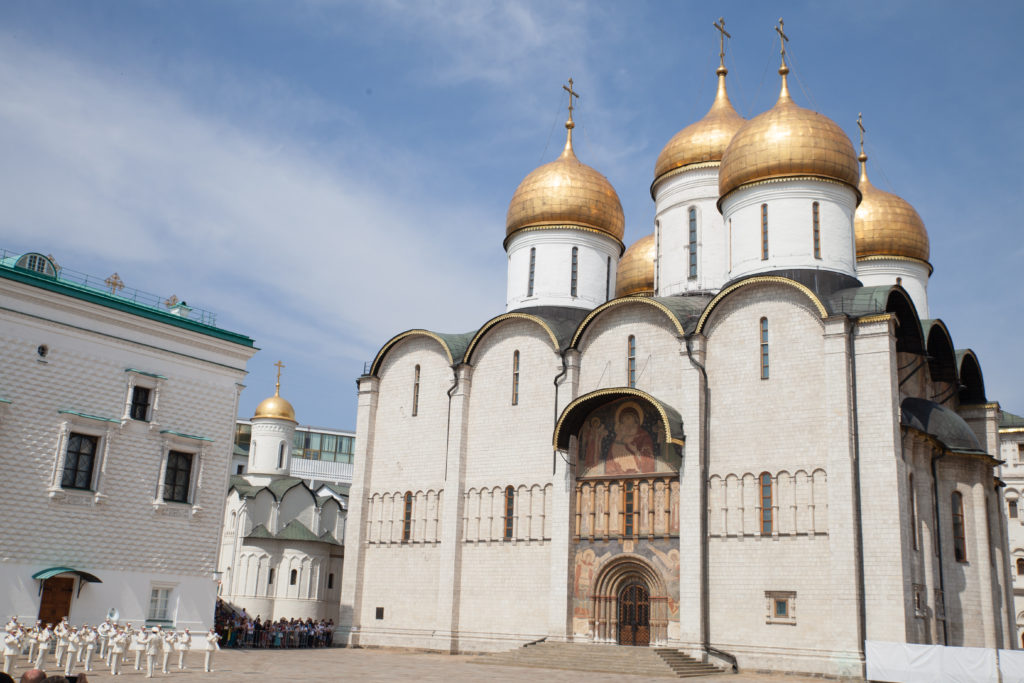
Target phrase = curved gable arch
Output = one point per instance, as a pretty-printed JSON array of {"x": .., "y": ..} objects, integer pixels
[
  {"x": 909, "y": 337},
  {"x": 391, "y": 343},
  {"x": 760, "y": 280},
  {"x": 571, "y": 419},
  {"x": 941, "y": 356},
  {"x": 494, "y": 322},
  {"x": 626, "y": 300},
  {"x": 972, "y": 382}
]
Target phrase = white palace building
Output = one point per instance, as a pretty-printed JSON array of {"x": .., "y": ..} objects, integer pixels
[{"x": 743, "y": 437}]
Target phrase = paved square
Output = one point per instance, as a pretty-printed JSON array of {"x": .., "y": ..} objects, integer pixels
[{"x": 337, "y": 664}]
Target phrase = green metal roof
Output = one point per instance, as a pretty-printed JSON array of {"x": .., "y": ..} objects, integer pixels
[
  {"x": 942, "y": 423},
  {"x": 1008, "y": 420},
  {"x": 187, "y": 436},
  {"x": 88, "y": 416},
  {"x": 55, "y": 571},
  {"x": 9, "y": 272},
  {"x": 293, "y": 531}
]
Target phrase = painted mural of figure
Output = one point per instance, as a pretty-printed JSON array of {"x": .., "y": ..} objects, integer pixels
[
  {"x": 585, "y": 563},
  {"x": 632, "y": 452},
  {"x": 592, "y": 436}
]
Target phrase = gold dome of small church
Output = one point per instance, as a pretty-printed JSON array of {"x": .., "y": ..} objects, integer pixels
[
  {"x": 787, "y": 141},
  {"x": 275, "y": 407},
  {"x": 887, "y": 225},
  {"x": 566, "y": 192},
  {"x": 635, "y": 272}
]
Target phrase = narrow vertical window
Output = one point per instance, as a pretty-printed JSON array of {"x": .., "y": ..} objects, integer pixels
[
  {"x": 293, "y": 578},
  {"x": 280, "y": 456},
  {"x": 1013, "y": 509},
  {"x": 1020, "y": 566},
  {"x": 608, "y": 279},
  {"x": 177, "y": 477},
  {"x": 510, "y": 511},
  {"x": 575, "y": 271},
  {"x": 764, "y": 348},
  {"x": 515, "y": 378},
  {"x": 270, "y": 576},
  {"x": 78, "y": 462},
  {"x": 416, "y": 391},
  {"x": 629, "y": 509},
  {"x": 631, "y": 362},
  {"x": 766, "y": 504},
  {"x": 764, "y": 232},
  {"x": 959, "y": 540},
  {"x": 693, "y": 242},
  {"x": 533, "y": 267},
  {"x": 913, "y": 511},
  {"x": 140, "y": 404},
  {"x": 816, "y": 218},
  {"x": 407, "y": 518}
]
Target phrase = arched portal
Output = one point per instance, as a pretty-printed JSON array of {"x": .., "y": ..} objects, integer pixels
[{"x": 630, "y": 603}]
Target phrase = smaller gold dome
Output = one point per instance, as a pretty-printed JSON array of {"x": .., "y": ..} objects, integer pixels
[
  {"x": 635, "y": 272},
  {"x": 704, "y": 140},
  {"x": 787, "y": 141},
  {"x": 275, "y": 408},
  {"x": 566, "y": 192},
  {"x": 887, "y": 225}
]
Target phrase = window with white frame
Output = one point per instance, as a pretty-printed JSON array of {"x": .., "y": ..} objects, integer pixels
[
  {"x": 180, "y": 467},
  {"x": 781, "y": 607},
  {"x": 81, "y": 450},
  {"x": 141, "y": 399},
  {"x": 159, "y": 603},
  {"x": 178, "y": 477},
  {"x": 79, "y": 461}
]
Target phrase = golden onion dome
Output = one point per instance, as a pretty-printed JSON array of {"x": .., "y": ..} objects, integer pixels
[
  {"x": 703, "y": 141},
  {"x": 275, "y": 407},
  {"x": 887, "y": 225},
  {"x": 635, "y": 272},
  {"x": 787, "y": 141},
  {"x": 566, "y": 192}
]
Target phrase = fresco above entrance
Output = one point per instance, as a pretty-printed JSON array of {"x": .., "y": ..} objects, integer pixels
[{"x": 625, "y": 437}]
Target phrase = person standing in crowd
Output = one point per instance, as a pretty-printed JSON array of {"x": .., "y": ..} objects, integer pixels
[
  {"x": 44, "y": 638},
  {"x": 104, "y": 632},
  {"x": 211, "y": 646},
  {"x": 71, "y": 642},
  {"x": 184, "y": 645},
  {"x": 118, "y": 643},
  {"x": 11, "y": 649},
  {"x": 167, "y": 639},
  {"x": 60, "y": 634},
  {"x": 153, "y": 642},
  {"x": 90, "y": 636}
]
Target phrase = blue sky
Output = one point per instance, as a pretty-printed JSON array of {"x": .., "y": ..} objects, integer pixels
[{"x": 324, "y": 175}]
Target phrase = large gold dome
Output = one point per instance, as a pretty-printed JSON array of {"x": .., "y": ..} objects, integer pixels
[
  {"x": 787, "y": 141},
  {"x": 566, "y": 192},
  {"x": 635, "y": 272},
  {"x": 275, "y": 408},
  {"x": 705, "y": 140},
  {"x": 887, "y": 225}
]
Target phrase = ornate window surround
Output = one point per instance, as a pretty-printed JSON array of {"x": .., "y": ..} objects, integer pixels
[
  {"x": 103, "y": 428},
  {"x": 147, "y": 380},
  {"x": 198, "y": 446}
]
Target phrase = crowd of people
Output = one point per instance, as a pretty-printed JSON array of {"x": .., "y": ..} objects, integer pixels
[
  {"x": 75, "y": 647},
  {"x": 239, "y": 629}
]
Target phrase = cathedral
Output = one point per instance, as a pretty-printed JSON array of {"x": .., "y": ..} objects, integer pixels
[{"x": 742, "y": 437}]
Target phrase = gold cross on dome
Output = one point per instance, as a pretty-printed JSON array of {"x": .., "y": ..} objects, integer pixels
[
  {"x": 723, "y": 34},
  {"x": 115, "y": 283},
  {"x": 860, "y": 124},
  {"x": 572, "y": 94},
  {"x": 783, "y": 39},
  {"x": 277, "y": 387}
]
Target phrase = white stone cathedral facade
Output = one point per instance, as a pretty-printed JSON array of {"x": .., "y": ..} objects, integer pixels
[{"x": 742, "y": 437}]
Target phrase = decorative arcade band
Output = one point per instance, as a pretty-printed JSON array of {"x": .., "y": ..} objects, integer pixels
[{"x": 75, "y": 647}]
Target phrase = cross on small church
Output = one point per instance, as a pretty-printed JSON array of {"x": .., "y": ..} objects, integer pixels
[
  {"x": 279, "y": 365},
  {"x": 783, "y": 39},
  {"x": 723, "y": 34},
  {"x": 860, "y": 124},
  {"x": 572, "y": 94}
]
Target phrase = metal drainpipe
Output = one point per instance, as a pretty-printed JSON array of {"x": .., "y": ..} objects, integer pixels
[
  {"x": 448, "y": 428},
  {"x": 858, "y": 522},
  {"x": 938, "y": 545},
  {"x": 705, "y": 590},
  {"x": 554, "y": 452}
]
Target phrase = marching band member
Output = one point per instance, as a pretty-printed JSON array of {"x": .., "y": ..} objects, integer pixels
[
  {"x": 211, "y": 646},
  {"x": 11, "y": 648},
  {"x": 118, "y": 644},
  {"x": 61, "y": 638},
  {"x": 183, "y": 645},
  {"x": 89, "y": 638},
  {"x": 138, "y": 644},
  {"x": 167, "y": 641},
  {"x": 72, "y": 642},
  {"x": 43, "y": 638}
]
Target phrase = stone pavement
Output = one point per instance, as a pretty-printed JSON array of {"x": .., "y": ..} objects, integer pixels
[{"x": 337, "y": 664}]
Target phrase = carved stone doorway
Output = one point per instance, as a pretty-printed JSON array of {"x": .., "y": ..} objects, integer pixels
[{"x": 634, "y": 615}]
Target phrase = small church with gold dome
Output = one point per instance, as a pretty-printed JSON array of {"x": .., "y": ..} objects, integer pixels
[
  {"x": 281, "y": 546},
  {"x": 743, "y": 436}
]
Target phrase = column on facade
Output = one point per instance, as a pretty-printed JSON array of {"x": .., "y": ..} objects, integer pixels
[
  {"x": 563, "y": 513},
  {"x": 692, "y": 504},
  {"x": 449, "y": 584},
  {"x": 355, "y": 558}
]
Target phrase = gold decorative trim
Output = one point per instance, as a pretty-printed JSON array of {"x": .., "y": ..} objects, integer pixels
[
  {"x": 619, "y": 391},
  {"x": 501, "y": 318},
  {"x": 564, "y": 226},
  {"x": 877, "y": 318},
  {"x": 624, "y": 300},
  {"x": 375, "y": 366},
  {"x": 1012, "y": 430},
  {"x": 894, "y": 257},
  {"x": 757, "y": 280},
  {"x": 784, "y": 178},
  {"x": 695, "y": 166}
]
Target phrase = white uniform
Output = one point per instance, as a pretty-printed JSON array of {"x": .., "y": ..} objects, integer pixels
[
  {"x": 104, "y": 631},
  {"x": 30, "y": 640},
  {"x": 43, "y": 639},
  {"x": 89, "y": 640},
  {"x": 11, "y": 649},
  {"x": 211, "y": 646},
  {"x": 167, "y": 641},
  {"x": 183, "y": 645},
  {"x": 60, "y": 633},
  {"x": 73, "y": 641},
  {"x": 138, "y": 644},
  {"x": 118, "y": 643}
]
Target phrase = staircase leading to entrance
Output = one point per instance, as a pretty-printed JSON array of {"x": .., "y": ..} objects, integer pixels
[{"x": 638, "y": 661}]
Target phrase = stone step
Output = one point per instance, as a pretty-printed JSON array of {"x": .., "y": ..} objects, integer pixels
[{"x": 643, "y": 661}]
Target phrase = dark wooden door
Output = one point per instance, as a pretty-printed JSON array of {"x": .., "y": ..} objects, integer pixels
[
  {"x": 56, "y": 601},
  {"x": 634, "y": 615}
]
